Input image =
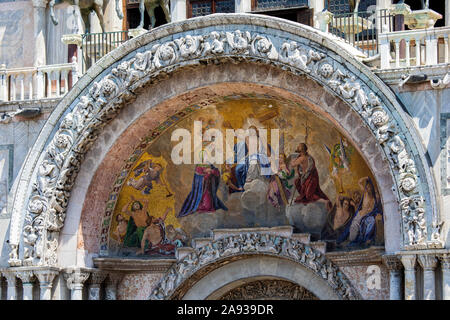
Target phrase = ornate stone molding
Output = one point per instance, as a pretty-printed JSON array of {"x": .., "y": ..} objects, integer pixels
[
  {"x": 75, "y": 277},
  {"x": 445, "y": 261},
  {"x": 26, "y": 276},
  {"x": 253, "y": 243},
  {"x": 392, "y": 262},
  {"x": 57, "y": 169},
  {"x": 127, "y": 265},
  {"x": 409, "y": 261},
  {"x": 428, "y": 261},
  {"x": 269, "y": 289}
]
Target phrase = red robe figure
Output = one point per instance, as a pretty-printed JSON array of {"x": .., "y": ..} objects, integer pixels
[{"x": 307, "y": 183}]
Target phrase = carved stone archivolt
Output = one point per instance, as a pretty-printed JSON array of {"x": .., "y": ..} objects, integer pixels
[
  {"x": 270, "y": 290},
  {"x": 247, "y": 244},
  {"x": 102, "y": 99}
]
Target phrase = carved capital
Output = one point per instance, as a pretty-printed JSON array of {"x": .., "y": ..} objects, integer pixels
[
  {"x": 392, "y": 262},
  {"x": 445, "y": 261},
  {"x": 75, "y": 278},
  {"x": 27, "y": 276},
  {"x": 428, "y": 261},
  {"x": 96, "y": 278},
  {"x": 10, "y": 277},
  {"x": 114, "y": 278},
  {"x": 46, "y": 276},
  {"x": 409, "y": 262}
]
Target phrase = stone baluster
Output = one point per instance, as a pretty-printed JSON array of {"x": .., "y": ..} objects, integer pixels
[
  {"x": 3, "y": 83},
  {"x": 112, "y": 282},
  {"x": 445, "y": 266},
  {"x": 57, "y": 74},
  {"x": 39, "y": 85},
  {"x": 12, "y": 84},
  {"x": 49, "y": 84},
  {"x": 30, "y": 85},
  {"x": 418, "y": 58},
  {"x": 409, "y": 262},
  {"x": 46, "y": 277},
  {"x": 446, "y": 49},
  {"x": 428, "y": 263},
  {"x": 94, "y": 282},
  {"x": 395, "y": 267},
  {"x": 75, "y": 278},
  {"x": 11, "y": 280},
  {"x": 397, "y": 53},
  {"x": 407, "y": 53},
  {"x": 28, "y": 279}
]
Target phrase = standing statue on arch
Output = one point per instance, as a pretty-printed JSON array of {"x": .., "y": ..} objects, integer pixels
[
  {"x": 151, "y": 5},
  {"x": 83, "y": 8}
]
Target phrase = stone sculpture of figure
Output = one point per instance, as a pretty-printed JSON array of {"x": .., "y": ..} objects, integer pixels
[
  {"x": 151, "y": 5},
  {"x": 84, "y": 8}
]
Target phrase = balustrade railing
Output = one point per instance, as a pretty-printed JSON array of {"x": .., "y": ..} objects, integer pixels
[
  {"x": 96, "y": 45},
  {"x": 261, "y": 5},
  {"x": 51, "y": 81},
  {"x": 361, "y": 29},
  {"x": 420, "y": 48}
]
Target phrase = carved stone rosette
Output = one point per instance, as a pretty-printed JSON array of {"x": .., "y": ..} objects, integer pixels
[
  {"x": 110, "y": 91},
  {"x": 253, "y": 243}
]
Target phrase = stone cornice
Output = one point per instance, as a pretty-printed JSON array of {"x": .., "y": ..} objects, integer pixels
[
  {"x": 368, "y": 256},
  {"x": 133, "y": 265}
]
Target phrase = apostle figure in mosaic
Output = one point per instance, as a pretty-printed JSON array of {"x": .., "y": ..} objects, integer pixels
[
  {"x": 203, "y": 196},
  {"x": 307, "y": 183}
]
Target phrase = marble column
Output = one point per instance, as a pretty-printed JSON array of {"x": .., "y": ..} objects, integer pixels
[
  {"x": 46, "y": 277},
  {"x": 409, "y": 262},
  {"x": 428, "y": 262},
  {"x": 11, "y": 293},
  {"x": 94, "y": 283},
  {"x": 75, "y": 278},
  {"x": 395, "y": 267},
  {"x": 112, "y": 282},
  {"x": 445, "y": 266},
  {"x": 28, "y": 279}
]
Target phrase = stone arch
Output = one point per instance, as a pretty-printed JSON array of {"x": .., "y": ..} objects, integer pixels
[
  {"x": 217, "y": 264},
  {"x": 46, "y": 179}
]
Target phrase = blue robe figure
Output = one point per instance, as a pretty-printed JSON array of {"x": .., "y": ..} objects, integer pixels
[
  {"x": 367, "y": 224},
  {"x": 203, "y": 196}
]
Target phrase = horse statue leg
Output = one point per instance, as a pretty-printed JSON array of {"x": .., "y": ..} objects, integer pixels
[
  {"x": 150, "y": 6},
  {"x": 85, "y": 17},
  {"x": 119, "y": 9},
  {"x": 99, "y": 11},
  {"x": 141, "y": 11},
  {"x": 165, "y": 7},
  {"x": 52, "y": 12}
]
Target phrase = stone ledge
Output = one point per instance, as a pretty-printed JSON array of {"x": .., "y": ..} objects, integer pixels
[
  {"x": 127, "y": 265},
  {"x": 368, "y": 256}
]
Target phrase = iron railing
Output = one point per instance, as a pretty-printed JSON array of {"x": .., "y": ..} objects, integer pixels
[
  {"x": 360, "y": 29},
  {"x": 96, "y": 45},
  {"x": 261, "y": 5}
]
